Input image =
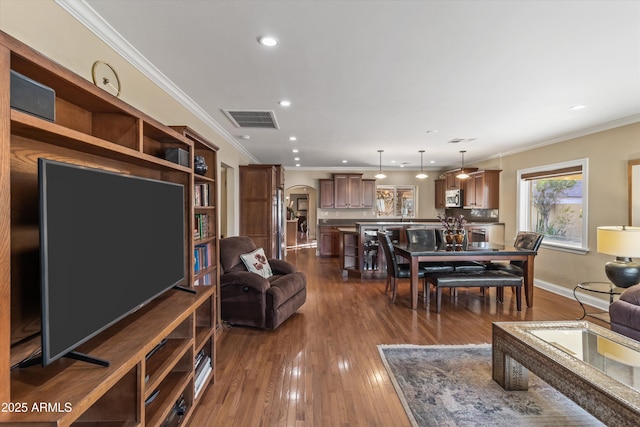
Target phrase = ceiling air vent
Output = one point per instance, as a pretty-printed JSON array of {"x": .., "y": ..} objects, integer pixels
[
  {"x": 263, "y": 119},
  {"x": 459, "y": 140}
]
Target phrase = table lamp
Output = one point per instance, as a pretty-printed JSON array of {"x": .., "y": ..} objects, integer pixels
[{"x": 624, "y": 243}]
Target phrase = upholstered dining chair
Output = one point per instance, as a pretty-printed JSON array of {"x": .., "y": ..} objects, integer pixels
[
  {"x": 422, "y": 236},
  {"x": 396, "y": 270},
  {"x": 462, "y": 265},
  {"x": 528, "y": 240},
  {"x": 427, "y": 237}
]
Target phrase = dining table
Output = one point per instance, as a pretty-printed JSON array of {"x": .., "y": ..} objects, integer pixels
[{"x": 475, "y": 251}]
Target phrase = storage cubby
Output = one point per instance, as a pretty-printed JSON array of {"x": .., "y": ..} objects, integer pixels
[
  {"x": 118, "y": 406},
  {"x": 177, "y": 382},
  {"x": 164, "y": 359},
  {"x": 95, "y": 129}
]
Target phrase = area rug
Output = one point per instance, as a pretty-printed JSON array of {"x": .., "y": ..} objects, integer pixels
[{"x": 452, "y": 386}]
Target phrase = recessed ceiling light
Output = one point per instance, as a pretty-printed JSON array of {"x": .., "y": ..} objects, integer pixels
[
  {"x": 296, "y": 158},
  {"x": 284, "y": 103},
  {"x": 268, "y": 41},
  {"x": 297, "y": 165},
  {"x": 245, "y": 137},
  {"x": 344, "y": 161},
  {"x": 293, "y": 138},
  {"x": 432, "y": 161},
  {"x": 577, "y": 107},
  {"x": 393, "y": 161},
  {"x": 295, "y": 150}
]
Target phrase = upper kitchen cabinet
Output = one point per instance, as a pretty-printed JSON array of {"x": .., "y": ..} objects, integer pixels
[
  {"x": 326, "y": 193},
  {"x": 347, "y": 191},
  {"x": 441, "y": 189},
  {"x": 368, "y": 193},
  {"x": 482, "y": 190},
  {"x": 452, "y": 182}
]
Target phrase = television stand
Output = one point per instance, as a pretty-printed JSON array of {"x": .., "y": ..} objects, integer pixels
[
  {"x": 182, "y": 288},
  {"x": 86, "y": 358},
  {"x": 75, "y": 355}
]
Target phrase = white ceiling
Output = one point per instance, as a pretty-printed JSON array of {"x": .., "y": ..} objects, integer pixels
[{"x": 369, "y": 75}]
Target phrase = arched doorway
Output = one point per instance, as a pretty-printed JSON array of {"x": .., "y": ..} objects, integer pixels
[{"x": 302, "y": 202}]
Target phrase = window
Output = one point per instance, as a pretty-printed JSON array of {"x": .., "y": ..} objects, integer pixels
[
  {"x": 396, "y": 201},
  {"x": 552, "y": 200}
]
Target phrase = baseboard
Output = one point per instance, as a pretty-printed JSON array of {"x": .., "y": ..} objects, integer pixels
[{"x": 599, "y": 303}]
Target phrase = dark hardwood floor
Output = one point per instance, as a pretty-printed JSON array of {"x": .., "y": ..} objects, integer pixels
[{"x": 322, "y": 368}]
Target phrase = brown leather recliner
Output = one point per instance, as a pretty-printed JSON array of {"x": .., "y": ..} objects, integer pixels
[{"x": 247, "y": 298}]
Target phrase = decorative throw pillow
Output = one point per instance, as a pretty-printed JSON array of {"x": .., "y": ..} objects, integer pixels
[{"x": 256, "y": 262}]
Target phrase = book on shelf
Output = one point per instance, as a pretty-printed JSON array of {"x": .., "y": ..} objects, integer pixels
[
  {"x": 201, "y": 226},
  {"x": 203, "y": 370},
  {"x": 199, "y": 357},
  {"x": 201, "y": 195},
  {"x": 202, "y": 256}
]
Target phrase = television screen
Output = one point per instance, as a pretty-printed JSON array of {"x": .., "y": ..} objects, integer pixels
[{"x": 109, "y": 243}]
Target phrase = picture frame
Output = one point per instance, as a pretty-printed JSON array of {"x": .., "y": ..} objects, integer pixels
[
  {"x": 302, "y": 204},
  {"x": 634, "y": 192}
]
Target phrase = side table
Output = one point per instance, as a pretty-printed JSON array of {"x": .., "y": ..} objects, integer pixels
[{"x": 606, "y": 288}]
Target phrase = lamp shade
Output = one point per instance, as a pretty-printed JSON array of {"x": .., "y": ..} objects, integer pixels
[
  {"x": 624, "y": 243},
  {"x": 619, "y": 241}
]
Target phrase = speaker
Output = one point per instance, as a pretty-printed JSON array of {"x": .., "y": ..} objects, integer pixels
[
  {"x": 32, "y": 97},
  {"x": 177, "y": 155}
]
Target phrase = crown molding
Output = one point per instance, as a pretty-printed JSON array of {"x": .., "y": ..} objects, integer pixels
[
  {"x": 88, "y": 17},
  {"x": 635, "y": 118}
]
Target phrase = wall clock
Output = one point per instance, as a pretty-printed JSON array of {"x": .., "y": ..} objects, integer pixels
[{"x": 105, "y": 77}]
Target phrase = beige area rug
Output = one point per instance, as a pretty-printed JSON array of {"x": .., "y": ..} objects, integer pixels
[{"x": 452, "y": 386}]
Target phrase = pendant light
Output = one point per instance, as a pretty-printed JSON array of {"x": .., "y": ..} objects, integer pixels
[
  {"x": 462, "y": 175},
  {"x": 380, "y": 175},
  {"x": 421, "y": 175}
]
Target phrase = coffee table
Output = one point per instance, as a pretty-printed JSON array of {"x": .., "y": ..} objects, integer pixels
[{"x": 593, "y": 366}]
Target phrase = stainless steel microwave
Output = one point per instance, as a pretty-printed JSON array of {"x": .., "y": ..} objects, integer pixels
[{"x": 453, "y": 198}]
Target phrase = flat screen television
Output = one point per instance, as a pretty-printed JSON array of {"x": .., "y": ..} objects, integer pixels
[{"x": 109, "y": 243}]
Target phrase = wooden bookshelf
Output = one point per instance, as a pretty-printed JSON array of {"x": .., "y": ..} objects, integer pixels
[{"x": 93, "y": 128}]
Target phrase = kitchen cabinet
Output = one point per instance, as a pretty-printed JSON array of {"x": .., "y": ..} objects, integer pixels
[
  {"x": 451, "y": 180},
  {"x": 368, "y": 193},
  {"x": 347, "y": 191},
  {"x": 441, "y": 188},
  {"x": 326, "y": 193},
  {"x": 482, "y": 190},
  {"x": 329, "y": 241}
]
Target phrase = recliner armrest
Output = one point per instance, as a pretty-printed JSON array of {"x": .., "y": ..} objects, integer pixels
[
  {"x": 245, "y": 278},
  {"x": 281, "y": 267}
]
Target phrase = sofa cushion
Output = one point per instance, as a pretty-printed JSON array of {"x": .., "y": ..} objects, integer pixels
[
  {"x": 631, "y": 295},
  {"x": 256, "y": 262}
]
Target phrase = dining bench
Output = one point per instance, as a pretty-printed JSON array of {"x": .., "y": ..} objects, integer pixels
[{"x": 473, "y": 279}]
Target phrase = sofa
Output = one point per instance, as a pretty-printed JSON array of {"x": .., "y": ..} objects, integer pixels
[
  {"x": 248, "y": 298},
  {"x": 625, "y": 313}
]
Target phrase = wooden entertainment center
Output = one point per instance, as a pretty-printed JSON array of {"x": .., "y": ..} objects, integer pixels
[{"x": 93, "y": 128}]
